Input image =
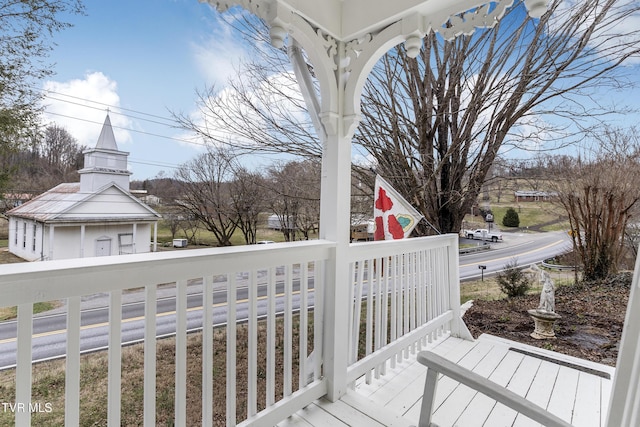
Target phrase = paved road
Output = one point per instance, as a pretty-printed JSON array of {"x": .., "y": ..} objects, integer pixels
[
  {"x": 49, "y": 328},
  {"x": 525, "y": 248}
]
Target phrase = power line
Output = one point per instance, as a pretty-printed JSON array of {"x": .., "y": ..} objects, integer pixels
[
  {"x": 113, "y": 112},
  {"x": 202, "y": 144},
  {"x": 169, "y": 122},
  {"x": 104, "y": 104}
]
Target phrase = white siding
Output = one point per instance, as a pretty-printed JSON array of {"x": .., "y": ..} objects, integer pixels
[
  {"x": 21, "y": 238},
  {"x": 67, "y": 239}
]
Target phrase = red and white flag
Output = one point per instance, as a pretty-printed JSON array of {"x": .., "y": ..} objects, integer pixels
[{"x": 395, "y": 217}]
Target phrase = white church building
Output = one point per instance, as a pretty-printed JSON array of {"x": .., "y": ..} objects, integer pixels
[{"x": 97, "y": 216}]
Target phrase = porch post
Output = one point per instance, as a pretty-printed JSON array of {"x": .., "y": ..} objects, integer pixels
[
  {"x": 334, "y": 226},
  {"x": 82, "y": 233},
  {"x": 51, "y": 236},
  {"x": 335, "y": 212},
  {"x": 134, "y": 232},
  {"x": 155, "y": 236},
  {"x": 624, "y": 403}
]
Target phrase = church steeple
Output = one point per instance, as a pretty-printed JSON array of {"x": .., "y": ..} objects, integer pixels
[
  {"x": 107, "y": 139},
  {"x": 104, "y": 164}
]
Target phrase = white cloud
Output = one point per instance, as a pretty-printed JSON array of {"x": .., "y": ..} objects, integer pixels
[
  {"x": 80, "y": 106},
  {"x": 226, "y": 117},
  {"x": 218, "y": 56}
]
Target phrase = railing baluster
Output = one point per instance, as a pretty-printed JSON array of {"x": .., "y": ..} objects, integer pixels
[
  {"x": 181, "y": 354},
  {"x": 288, "y": 330},
  {"x": 443, "y": 290},
  {"x": 271, "y": 336},
  {"x": 377, "y": 293},
  {"x": 252, "y": 338},
  {"x": 23, "y": 362},
  {"x": 385, "y": 310},
  {"x": 72, "y": 364},
  {"x": 351, "y": 329},
  {"x": 115, "y": 359},
  {"x": 150, "y": 313},
  {"x": 412, "y": 291},
  {"x": 407, "y": 297},
  {"x": 232, "y": 296},
  {"x": 318, "y": 309},
  {"x": 304, "y": 324},
  {"x": 207, "y": 351},
  {"x": 357, "y": 309},
  {"x": 369, "y": 312},
  {"x": 394, "y": 303},
  {"x": 423, "y": 287},
  {"x": 433, "y": 296}
]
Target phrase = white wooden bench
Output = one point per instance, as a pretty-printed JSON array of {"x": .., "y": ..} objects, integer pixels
[{"x": 624, "y": 404}]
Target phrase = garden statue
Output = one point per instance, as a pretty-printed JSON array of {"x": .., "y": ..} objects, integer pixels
[
  {"x": 544, "y": 316},
  {"x": 547, "y": 296}
]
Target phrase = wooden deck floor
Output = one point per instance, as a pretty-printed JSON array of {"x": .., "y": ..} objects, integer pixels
[{"x": 574, "y": 389}]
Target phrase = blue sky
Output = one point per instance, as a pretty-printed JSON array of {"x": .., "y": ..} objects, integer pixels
[
  {"x": 140, "y": 59},
  {"x": 143, "y": 58}
]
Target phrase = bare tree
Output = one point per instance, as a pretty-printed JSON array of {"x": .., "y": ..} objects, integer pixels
[
  {"x": 171, "y": 217},
  {"x": 205, "y": 192},
  {"x": 294, "y": 189},
  {"x": 26, "y": 33},
  {"x": 434, "y": 125},
  {"x": 460, "y": 102},
  {"x": 60, "y": 150},
  {"x": 248, "y": 197},
  {"x": 47, "y": 160},
  {"x": 598, "y": 192}
]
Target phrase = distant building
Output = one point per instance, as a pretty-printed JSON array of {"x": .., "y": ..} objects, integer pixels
[
  {"x": 147, "y": 198},
  {"x": 97, "y": 216},
  {"x": 276, "y": 222},
  {"x": 534, "y": 196},
  {"x": 12, "y": 200}
]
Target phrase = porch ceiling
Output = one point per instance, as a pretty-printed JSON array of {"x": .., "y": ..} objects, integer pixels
[
  {"x": 347, "y": 20},
  {"x": 350, "y": 19}
]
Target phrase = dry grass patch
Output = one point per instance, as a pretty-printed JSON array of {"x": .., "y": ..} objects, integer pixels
[
  {"x": 49, "y": 380},
  {"x": 488, "y": 290}
]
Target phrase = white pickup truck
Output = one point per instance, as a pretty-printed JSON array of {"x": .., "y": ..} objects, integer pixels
[{"x": 482, "y": 234}]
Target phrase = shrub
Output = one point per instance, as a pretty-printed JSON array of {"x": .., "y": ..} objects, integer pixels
[
  {"x": 513, "y": 281},
  {"x": 511, "y": 218}
]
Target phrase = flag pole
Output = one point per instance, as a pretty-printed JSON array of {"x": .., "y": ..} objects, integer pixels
[{"x": 431, "y": 225}]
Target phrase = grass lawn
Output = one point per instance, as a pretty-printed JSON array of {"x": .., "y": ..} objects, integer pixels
[
  {"x": 541, "y": 216},
  {"x": 7, "y": 313},
  {"x": 49, "y": 381},
  {"x": 206, "y": 238}
]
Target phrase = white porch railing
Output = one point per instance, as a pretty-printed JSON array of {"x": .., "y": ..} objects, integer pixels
[
  {"x": 404, "y": 287},
  {"x": 405, "y": 295}
]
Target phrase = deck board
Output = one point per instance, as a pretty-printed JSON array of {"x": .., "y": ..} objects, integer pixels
[
  {"x": 540, "y": 391},
  {"x": 563, "y": 396},
  {"x": 474, "y": 406},
  {"x": 519, "y": 384},
  {"x": 546, "y": 378},
  {"x": 587, "y": 408}
]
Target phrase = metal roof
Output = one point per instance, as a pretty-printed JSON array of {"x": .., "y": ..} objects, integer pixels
[{"x": 57, "y": 204}]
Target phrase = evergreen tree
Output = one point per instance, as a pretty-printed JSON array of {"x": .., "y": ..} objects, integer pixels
[{"x": 511, "y": 218}]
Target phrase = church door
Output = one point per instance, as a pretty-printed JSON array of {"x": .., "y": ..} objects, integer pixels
[{"x": 103, "y": 246}]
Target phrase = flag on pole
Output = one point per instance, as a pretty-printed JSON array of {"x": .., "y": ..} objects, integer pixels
[{"x": 395, "y": 218}]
